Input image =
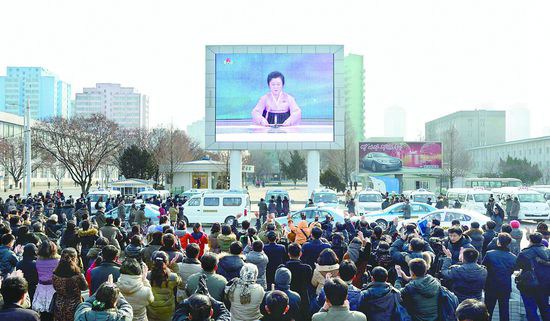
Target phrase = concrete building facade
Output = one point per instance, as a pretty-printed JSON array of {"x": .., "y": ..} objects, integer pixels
[
  {"x": 123, "y": 105},
  {"x": 485, "y": 159},
  {"x": 475, "y": 127},
  {"x": 47, "y": 95}
]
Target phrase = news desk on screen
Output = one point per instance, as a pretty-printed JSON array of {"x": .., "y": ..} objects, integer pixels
[{"x": 313, "y": 130}]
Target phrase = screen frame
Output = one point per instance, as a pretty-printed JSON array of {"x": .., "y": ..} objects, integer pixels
[{"x": 339, "y": 97}]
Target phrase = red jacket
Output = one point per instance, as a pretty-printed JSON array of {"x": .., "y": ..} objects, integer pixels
[{"x": 201, "y": 240}]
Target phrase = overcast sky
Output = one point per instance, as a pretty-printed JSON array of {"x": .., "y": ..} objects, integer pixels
[{"x": 428, "y": 57}]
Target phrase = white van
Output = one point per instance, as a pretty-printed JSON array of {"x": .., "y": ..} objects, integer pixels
[
  {"x": 101, "y": 194},
  {"x": 217, "y": 206},
  {"x": 544, "y": 190},
  {"x": 420, "y": 195},
  {"x": 532, "y": 204},
  {"x": 325, "y": 197},
  {"x": 160, "y": 194},
  {"x": 473, "y": 199},
  {"x": 368, "y": 200}
]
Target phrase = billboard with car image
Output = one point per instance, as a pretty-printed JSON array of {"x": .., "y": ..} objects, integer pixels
[{"x": 400, "y": 158}]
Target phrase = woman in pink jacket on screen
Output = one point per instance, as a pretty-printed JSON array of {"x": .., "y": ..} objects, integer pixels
[{"x": 276, "y": 107}]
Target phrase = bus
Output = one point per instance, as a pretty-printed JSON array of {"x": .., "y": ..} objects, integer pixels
[{"x": 490, "y": 183}]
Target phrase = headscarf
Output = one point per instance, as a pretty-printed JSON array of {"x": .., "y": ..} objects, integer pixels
[
  {"x": 30, "y": 251},
  {"x": 248, "y": 276}
]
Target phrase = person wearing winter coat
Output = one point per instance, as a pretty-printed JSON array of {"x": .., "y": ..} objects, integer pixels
[
  {"x": 108, "y": 267},
  {"x": 258, "y": 258},
  {"x": 163, "y": 283},
  {"x": 8, "y": 258},
  {"x": 28, "y": 266},
  {"x": 312, "y": 249},
  {"x": 87, "y": 236},
  {"x": 226, "y": 238},
  {"x": 277, "y": 255},
  {"x": 514, "y": 210},
  {"x": 230, "y": 264},
  {"x": 283, "y": 278},
  {"x": 134, "y": 249},
  {"x": 154, "y": 245},
  {"x": 189, "y": 266},
  {"x": 70, "y": 237},
  {"x": 68, "y": 283},
  {"x": 476, "y": 236},
  {"x": 14, "y": 290},
  {"x": 198, "y": 237},
  {"x": 534, "y": 293},
  {"x": 378, "y": 298},
  {"x": 420, "y": 295},
  {"x": 456, "y": 240},
  {"x": 47, "y": 261},
  {"x": 517, "y": 236},
  {"x": 106, "y": 305},
  {"x": 215, "y": 231},
  {"x": 135, "y": 287},
  {"x": 301, "y": 275},
  {"x": 111, "y": 232},
  {"x": 201, "y": 307},
  {"x": 214, "y": 282},
  {"x": 346, "y": 271},
  {"x": 335, "y": 306},
  {"x": 244, "y": 295},
  {"x": 488, "y": 235},
  {"x": 500, "y": 264},
  {"x": 468, "y": 279},
  {"x": 326, "y": 263}
]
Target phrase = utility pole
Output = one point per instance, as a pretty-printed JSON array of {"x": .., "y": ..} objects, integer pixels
[{"x": 28, "y": 147}]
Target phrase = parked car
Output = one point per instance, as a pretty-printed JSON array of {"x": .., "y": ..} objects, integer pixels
[
  {"x": 325, "y": 197},
  {"x": 383, "y": 217},
  {"x": 447, "y": 215},
  {"x": 379, "y": 162},
  {"x": 312, "y": 212},
  {"x": 217, "y": 206},
  {"x": 367, "y": 201},
  {"x": 277, "y": 192}
]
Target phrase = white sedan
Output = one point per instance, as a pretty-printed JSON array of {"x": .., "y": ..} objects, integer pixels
[{"x": 447, "y": 215}]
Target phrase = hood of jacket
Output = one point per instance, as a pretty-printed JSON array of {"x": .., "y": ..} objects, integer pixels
[
  {"x": 376, "y": 290},
  {"x": 130, "y": 284},
  {"x": 471, "y": 273},
  {"x": 90, "y": 232},
  {"x": 426, "y": 286},
  {"x": 516, "y": 234},
  {"x": 534, "y": 251}
]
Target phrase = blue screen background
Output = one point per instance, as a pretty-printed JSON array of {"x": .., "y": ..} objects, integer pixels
[{"x": 241, "y": 83}]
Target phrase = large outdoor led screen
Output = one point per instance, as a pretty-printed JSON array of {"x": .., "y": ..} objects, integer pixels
[
  {"x": 404, "y": 157},
  {"x": 274, "y": 97}
]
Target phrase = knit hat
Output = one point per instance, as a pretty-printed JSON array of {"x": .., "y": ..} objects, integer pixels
[
  {"x": 283, "y": 276},
  {"x": 53, "y": 217},
  {"x": 515, "y": 224}
]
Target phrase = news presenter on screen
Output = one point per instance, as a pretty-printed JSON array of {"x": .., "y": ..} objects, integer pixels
[{"x": 276, "y": 107}]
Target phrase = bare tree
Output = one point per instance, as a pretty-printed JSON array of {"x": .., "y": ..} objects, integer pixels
[
  {"x": 80, "y": 144},
  {"x": 456, "y": 160},
  {"x": 171, "y": 146},
  {"x": 12, "y": 158}
]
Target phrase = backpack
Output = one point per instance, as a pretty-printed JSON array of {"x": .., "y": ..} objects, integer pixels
[{"x": 447, "y": 302}]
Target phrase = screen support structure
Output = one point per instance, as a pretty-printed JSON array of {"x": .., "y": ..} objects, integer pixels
[
  {"x": 313, "y": 171},
  {"x": 235, "y": 169}
]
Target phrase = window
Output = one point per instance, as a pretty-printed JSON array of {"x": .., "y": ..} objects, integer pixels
[
  {"x": 232, "y": 201},
  {"x": 194, "y": 202},
  {"x": 211, "y": 201}
]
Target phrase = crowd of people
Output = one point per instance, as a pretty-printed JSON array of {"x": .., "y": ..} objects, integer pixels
[{"x": 131, "y": 268}]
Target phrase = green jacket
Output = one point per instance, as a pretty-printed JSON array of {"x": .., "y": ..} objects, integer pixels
[
  {"x": 164, "y": 306},
  {"x": 215, "y": 283},
  {"x": 224, "y": 241},
  {"x": 340, "y": 313},
  {"x": 420, "y": 297}
]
